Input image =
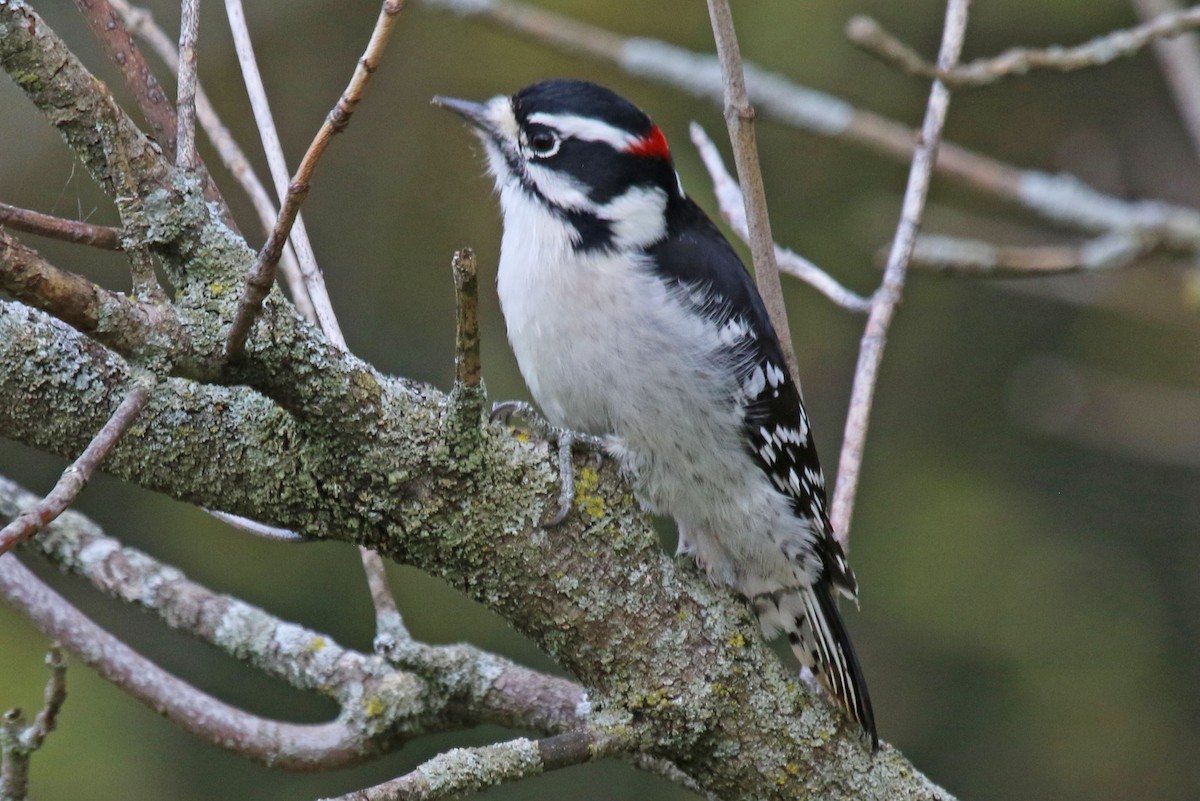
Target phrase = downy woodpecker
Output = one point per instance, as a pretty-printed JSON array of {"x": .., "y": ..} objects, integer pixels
[{"x": 632, "y": 318}]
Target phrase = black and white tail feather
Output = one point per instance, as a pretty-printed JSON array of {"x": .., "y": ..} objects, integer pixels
[{"x": 633, "y": 318}]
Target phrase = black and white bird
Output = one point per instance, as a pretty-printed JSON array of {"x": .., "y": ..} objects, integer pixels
[{"x": 632, "y": 318}]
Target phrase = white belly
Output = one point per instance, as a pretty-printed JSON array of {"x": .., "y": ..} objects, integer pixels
[{"x": 608, "y": 349}]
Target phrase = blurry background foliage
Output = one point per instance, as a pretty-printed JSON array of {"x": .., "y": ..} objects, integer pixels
[{"x": 1027, "y": 546}]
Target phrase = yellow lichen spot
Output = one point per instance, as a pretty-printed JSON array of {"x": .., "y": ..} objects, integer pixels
[
  {"x": 315, "y": 644},
  {"x": 792, "y": 769},
  {"x": 217, "y": 289},
  {"x": 737, "y": 641},
  {"x": 586, "y": 482},
  {"x": 521, "y": 435},
  {"x": 683, "y": 614},
  {"x": 374, "y": 708}
]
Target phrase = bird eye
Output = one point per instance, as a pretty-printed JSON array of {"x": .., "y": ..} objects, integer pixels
[{"x": 543, "y": 143}]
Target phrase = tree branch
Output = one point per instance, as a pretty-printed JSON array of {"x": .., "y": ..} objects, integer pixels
[
  {"x": 887, "y": 297},
  {"x": 970, "y": 257},
  {"x": 468, "y": 770},
  {"x": 680, "y": 658},
  {"x": 18, "y": 741},
  {"x": 110, "y": 318},
  {"x": 1179, "y": 58},
  {"x": 185, "y": 105},
  {"x": 739, "y": 119},
  {"x": 733, "y": 210},
  {"x": 262, "y": 275},
  {"x": 141, "y": 23},
  {"x": 76, "y": 477},
  {"x": 869, "y": 35},
  {"x": 288, "y": 746},
  {"x": 80, "y": 233}
]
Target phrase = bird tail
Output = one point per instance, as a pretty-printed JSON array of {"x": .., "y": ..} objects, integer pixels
[{"x": 810, "y": 619}]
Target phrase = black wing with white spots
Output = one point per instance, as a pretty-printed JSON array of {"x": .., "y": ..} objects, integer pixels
[{"x": 776, "y": 425}]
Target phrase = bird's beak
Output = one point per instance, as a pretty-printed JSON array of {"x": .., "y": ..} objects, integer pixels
[{"x": 474, "y": 113}]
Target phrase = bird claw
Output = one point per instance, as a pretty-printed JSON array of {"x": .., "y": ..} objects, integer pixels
[{"x": 564, "y": 439}]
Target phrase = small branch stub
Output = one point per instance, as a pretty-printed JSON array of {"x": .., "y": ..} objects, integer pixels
[{"x": 466, "y": 306}]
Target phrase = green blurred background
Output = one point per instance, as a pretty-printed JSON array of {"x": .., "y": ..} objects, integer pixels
[{"x": 1028, "y": 527}]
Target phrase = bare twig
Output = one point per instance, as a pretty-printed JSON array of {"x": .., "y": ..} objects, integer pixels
[
  {"x": 18, "y": 741},
  {"x": 1061, "y": 199},
  {"x": 156, "y": 108},
  {"x": 739, "y": 118},
  {"x": 463, "y": 770},
  {"x": 262, "y": 274},
  {"x": 287, "y": 746},
  {"x": 76, "y": 477},
  {"x": 141, "y": 23},
  {"x": 466, "y": 304},
  {"x": 870, "y": 36},
  {"x": 80, "y": 233},
  {"x": 273, "y": 533},
  {"x": 110, "y": 318},
  {"x": 733, "y": 210},
  {"x": 1179, "y": 58},
  {"x": 185, "y": 104},
  {"x": 108, "y": 28},
  {"x": 883, "y": 304},
  {"x": 955, "y": 256}
]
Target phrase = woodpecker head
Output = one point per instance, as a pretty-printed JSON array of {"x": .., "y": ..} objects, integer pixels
[{"x": 584, "y": 153}]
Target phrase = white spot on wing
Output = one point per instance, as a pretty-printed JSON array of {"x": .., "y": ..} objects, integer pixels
[{"x": 753, "y": 386}]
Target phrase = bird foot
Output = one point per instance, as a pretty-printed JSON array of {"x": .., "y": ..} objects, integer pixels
[{"x": 564, "y": 439}]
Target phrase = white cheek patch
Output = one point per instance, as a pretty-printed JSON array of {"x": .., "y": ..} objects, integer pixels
[
  {"x": 638, "y": 216},
  {"x": 586, "y": 128},
  {"x": 558, "y": 188}
]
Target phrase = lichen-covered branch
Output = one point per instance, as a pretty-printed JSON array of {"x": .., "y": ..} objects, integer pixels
[
  {"x": 462, "y": 770},
  {"x": 30, "y": 521}
]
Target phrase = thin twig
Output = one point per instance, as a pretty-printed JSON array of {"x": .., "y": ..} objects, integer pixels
[
  {"x": 185, "y": 103},
  {"x": 18, "y": 741},
  {"x": 108, "y": 28},
  {"x": 262, "y": 274},
  {"x": 141, "y": 23},
  {"x": 268, "y": 134},
  {"x": 972, "y": 257},
  {"x": 1179, "y": 58},
  {"x": 286, "y": 746},
  {"x": 883, "y": 304},
  {"x": 80, "y": 233},
  {"x": 245, "y": 524},
  {"x": 464, "y": 770},
  {"x": 76, "y": 477},
  {"x": 868, "y": 34},
  {"x": 151, "y": 99},
  {"x": 733, "y": 210},
  {"x": 1061, "y": 199},
  {"x": 108, "y": 317},
  {"x": 739, "y": 118}
]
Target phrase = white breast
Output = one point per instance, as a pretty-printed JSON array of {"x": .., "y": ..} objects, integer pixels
[{"x": 607, "y": 348}]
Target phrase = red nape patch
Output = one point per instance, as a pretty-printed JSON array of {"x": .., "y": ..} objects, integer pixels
[{"x": 652, "y": 145}]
